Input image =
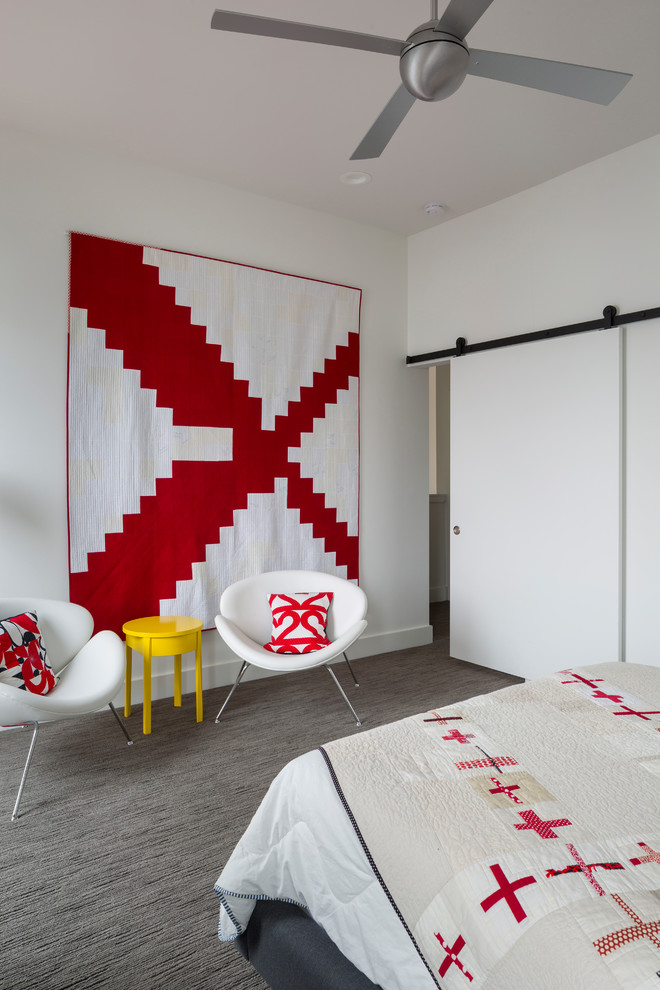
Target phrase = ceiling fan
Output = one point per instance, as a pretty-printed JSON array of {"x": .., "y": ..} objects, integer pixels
[{"x": 434, "y": 60}]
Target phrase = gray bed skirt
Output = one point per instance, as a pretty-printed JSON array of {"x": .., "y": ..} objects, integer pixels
[{"x": 291, "y": 952}]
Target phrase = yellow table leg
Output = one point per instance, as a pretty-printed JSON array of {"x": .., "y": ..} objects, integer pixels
[
  {"x": 146, "y": 706},
  {"x": 177, "y": 680},
  {"x": 127, "y": 685},
  {"x": 198, "y": 677}
]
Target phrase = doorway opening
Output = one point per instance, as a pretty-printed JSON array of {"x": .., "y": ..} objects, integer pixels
[{"x": 439, "y": 482}]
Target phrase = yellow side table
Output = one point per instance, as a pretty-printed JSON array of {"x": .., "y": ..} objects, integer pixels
[{"x": 162, "y": 636}]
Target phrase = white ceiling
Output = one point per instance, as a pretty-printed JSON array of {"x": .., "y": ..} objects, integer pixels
[{"x": 149, "y": 79}]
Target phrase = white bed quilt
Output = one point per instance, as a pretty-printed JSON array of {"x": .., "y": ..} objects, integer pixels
[{"x": 510, "y": 842}]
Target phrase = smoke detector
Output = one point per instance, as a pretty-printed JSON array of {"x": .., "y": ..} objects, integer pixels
[{"x": 434, "y": 209}]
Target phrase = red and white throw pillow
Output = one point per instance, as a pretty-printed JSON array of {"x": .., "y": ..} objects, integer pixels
[
  {"x": 23, "y": 659},
  {"x": 299, "y": 622}
]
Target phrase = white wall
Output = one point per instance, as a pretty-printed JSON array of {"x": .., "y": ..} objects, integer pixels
[
  {"x": 49, "y": 189},
  {"x": 553, "y": 255}
]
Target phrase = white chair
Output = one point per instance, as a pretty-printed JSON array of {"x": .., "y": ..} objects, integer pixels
[
  {"x": 91, "y": 671},
  {"x": 245, "y": 622}
]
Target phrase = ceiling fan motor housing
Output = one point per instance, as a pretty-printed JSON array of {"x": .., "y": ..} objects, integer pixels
[{"x": 433, "y": 64}]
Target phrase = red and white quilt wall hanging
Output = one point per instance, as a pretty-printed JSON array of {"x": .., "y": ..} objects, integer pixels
[{"x": 213, "y": 428}]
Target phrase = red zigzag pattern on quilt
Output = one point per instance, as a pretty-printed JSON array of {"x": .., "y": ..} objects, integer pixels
[{"x": 141, "y": 565}]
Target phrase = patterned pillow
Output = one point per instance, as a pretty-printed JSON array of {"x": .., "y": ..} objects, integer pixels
[
  {"x": 299, "y": 622},
  {"x": 23, "y": 659}
]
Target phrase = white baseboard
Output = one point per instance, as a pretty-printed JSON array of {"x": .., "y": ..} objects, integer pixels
[
  {"x": 220, "y": 667},
  {"x": 399, "y": 639}
]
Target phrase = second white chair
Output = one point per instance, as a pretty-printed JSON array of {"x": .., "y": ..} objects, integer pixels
[{"x": 245, "y": 622}]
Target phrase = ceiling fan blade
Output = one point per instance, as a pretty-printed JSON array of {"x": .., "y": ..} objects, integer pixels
[
  {"x": 578, "y": 81},
  {"x": 271, "y": 27},
  {"x": 377, "y": 137},
  {"x": 461, "y": 16}
]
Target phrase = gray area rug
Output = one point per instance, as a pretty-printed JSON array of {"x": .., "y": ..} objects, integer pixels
[{"x": 107, "y": 877}]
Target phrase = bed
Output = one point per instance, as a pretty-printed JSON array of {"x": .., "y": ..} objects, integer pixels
[{"x": 508, "y": 842}]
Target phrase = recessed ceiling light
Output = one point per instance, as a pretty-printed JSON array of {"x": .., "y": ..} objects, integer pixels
[{"x": 355, "y": 178}]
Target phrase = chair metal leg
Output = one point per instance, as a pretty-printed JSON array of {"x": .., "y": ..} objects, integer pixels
[
  {"x": 355, "y": 680},
  {"x": 14, "y": 814},
  {"x": 121, "y": 724},
  {"x": 343, "y": 693},
  {"x": 236, "y": 683}
]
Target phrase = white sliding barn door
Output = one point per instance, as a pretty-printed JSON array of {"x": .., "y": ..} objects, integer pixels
[
  {"x": 535, "y": 467},
  {"x": 643, "y": 494}
]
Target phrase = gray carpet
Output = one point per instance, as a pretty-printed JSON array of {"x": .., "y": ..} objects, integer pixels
[{"x": 107, "y": 877}]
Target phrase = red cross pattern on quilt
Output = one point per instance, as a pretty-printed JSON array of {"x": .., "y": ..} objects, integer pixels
[
  {"x": 490, "y": 761},
  {"x": 579, "y": 679},
  {"x": 544, "y": 829},
  {"x": 213, "y": 426},
  {"x": 604, "y": 696},
  {"x": 443, "y": 719},
  {"x": 652, "y": 855},
  {"x": 586, "y": 869},
  {"x": 631, "y": 711},
  {"x": 451, "y": 958},
  {"x": 506, "y": 891},
  {"x": 460, "y": 737},
  {"x": 631, "y": 933},
  {"x": 505, "y": 789},
  {"x": 609, "y": 696}
]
